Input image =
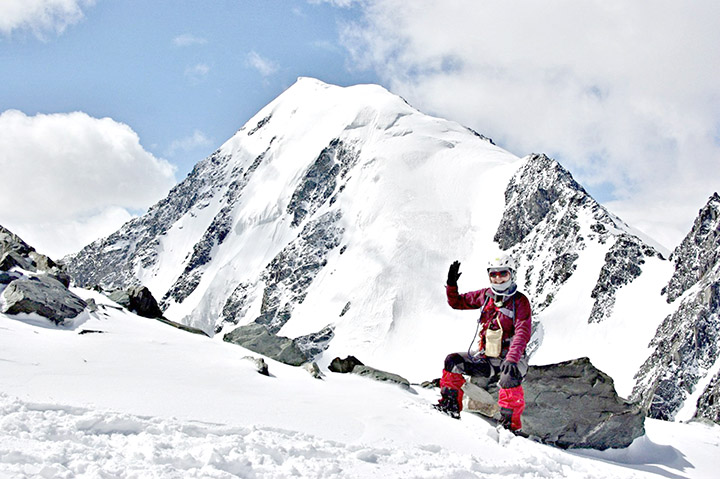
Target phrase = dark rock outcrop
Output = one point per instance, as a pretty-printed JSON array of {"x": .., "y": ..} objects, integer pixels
[
  {"x": 533, "y": 193},
  {"x": 292, "y": 271},
  {"x": 353, "y": 365},
  {"x": 260, "y": 365},
  {"x": 321, "y": 180},
  {"x": 31, "y": 282},
  {"x": 257, "y": 338},
  {"x": 622, "y": 265},
  {"x": 42, "y": 295},
  {"x": 569, "y": 405},
  {"x": 545, "y": 227},
  {"x": 344, "y": 366},
  {"x": 111, "y": 262},
  {"x": 214, "y": 236},
  {"x": 14, "y": 252},
  {"x": 685, "y": 347},
  {"x": 698, "y": 253},
  {"x": 137, "y": 299},
  {"x": 708, "y": 405},
  {"x": 382, "y": 376},
  {"x": 12, "y": 243},
  {"x": 687, "y": 343}
]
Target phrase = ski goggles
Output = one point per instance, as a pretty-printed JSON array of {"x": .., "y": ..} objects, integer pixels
[{"x": 498, "y": 274}]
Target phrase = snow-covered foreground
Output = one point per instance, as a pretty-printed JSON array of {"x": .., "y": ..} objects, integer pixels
[{"x": 142, "y": 399}]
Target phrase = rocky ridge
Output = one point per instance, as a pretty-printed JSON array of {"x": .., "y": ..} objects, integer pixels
[
  {"x": 547, "y": 223},
  {"x": 112, "y": 262},
  {"x": 687, "y": 343}
]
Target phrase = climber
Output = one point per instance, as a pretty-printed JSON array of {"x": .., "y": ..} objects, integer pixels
[{"x": 504, "y": 329}]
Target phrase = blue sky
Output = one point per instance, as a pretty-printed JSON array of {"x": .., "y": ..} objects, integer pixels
[
  {"x": 185, "y": 75},
  {"x": 106, "y": 104}
]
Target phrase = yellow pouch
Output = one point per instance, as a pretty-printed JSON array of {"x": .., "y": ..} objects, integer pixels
[{"x": 493, "y": 342}]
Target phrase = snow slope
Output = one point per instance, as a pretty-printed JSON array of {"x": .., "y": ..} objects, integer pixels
[{"x": 137, "y": 398}]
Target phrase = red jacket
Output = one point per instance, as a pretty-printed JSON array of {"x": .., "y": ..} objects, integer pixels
[{"x": 516, "y": 334}]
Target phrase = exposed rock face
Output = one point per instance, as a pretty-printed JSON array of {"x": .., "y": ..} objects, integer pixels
[
  {"x": 14, "y": 252},
  {"x": 287, "y": 278},
  {"x": 533, "y": 194},
  {"x": 215, "y": 234},
  {"x": 292, "y": 271},
  {"x": 570, "y": 405},
  {"x": 112, "y": 262},
  {"x": 33, "y": 283},
  {"x": 544, "y": 226},
  {"x": 622, "y": 265},
  {"x": 321, "y": 180},
  {"x": 315, "y": 343},
  {"x": 698, "y": 253},
  {"x": 685, "y": 347},
  {"x": 708, "y": 405},
  {"x": 687, "y": 343},
  {"x": 43, "y": 295},
  {"x": 11, "y": 243}
]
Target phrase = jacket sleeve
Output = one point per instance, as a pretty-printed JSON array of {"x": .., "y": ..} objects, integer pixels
[
  {"x": 523, "y": 330},
  {"x": 471, "y": 300}
]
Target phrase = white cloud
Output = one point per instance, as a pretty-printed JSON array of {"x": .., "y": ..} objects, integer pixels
[
  {"x": 188, "y": 39},
  {"x": 198, "y": 72},
  {"x": 57, "y": 238},
  {"x": 263, "y": 65},
  {"x": 40, "y": 16},
  {"x": 622, "y": 93},
  {"x": 196, "y": 140},
  {"x": 73, "y": 176}
]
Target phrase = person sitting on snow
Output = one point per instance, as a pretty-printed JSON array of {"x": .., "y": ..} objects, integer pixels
[{"x": 504, "y": 331}]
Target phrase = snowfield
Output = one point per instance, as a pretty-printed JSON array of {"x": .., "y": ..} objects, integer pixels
[{"x": 136, "y": 398}]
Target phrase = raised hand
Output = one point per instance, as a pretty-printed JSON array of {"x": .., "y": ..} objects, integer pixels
[{"x": 453, "y": 273}]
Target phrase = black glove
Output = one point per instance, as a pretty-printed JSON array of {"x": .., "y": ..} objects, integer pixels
[
  {"x": 454, "y": 273},
  {"x": 510, "y": 368}
]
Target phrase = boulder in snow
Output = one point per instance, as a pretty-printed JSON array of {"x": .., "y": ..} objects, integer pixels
[
  {"x": 569, "y": 405},
  {"x": 139, "y": 300},
  {"x": 43, "y": 295},
  {"x": 313, "y": 369},
  {"x": 260, "y": 365},
  {"x": 383, "y": 376},
  {"x": 346, "y": 365},
  {"x": 353, "y": 365},
  {"x": 257, "y": 338}
]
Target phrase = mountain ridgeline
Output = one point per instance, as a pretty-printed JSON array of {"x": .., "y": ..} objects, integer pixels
[{"x": 327, "y": 222}]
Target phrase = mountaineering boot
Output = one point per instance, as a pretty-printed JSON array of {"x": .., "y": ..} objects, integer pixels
[
  {"x": 506, "y": 417},
  {"x": 449, "y": 403}
]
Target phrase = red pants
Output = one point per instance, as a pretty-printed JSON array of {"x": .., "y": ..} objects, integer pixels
[
  {"x": 511, "y": 401},
  {"x": 512, "y": 405}
]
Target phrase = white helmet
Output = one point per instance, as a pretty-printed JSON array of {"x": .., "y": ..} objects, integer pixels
[{"x": 503, "y": 262}]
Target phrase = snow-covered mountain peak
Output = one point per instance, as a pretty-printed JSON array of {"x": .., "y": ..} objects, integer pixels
[
  {"x": 332, "y": 207},
  {"x": 331, "y": 216}
]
